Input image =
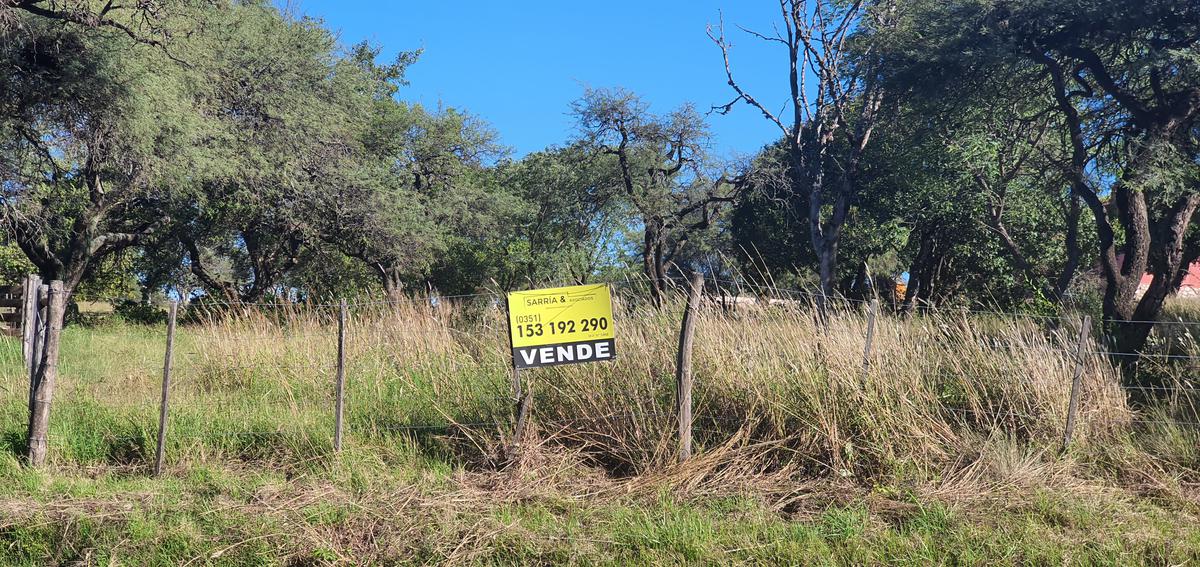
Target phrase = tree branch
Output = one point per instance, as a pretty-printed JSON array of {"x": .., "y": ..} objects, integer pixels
[{"x": 719, "y": 39}]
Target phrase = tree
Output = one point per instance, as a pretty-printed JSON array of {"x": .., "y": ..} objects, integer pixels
[
  {"x": 1004, "y": 156},
  {"x": 148, "y": 22},
  {"x": 569, "y": 212},
  {"x": 265, "y": 90},
  {"x": 987, "y": 208},
  {"x": 769, "y": 219},
  {"x": 817, "y": 36},
  {"x": 418, "y": 198},
  {"x": 1123, "y": 81},
  {"x": 95, "y": 131},
  {"x": 660, "y": 162}
]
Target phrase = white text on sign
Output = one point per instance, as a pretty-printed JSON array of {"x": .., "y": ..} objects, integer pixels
[{"x": 550, "y": 355}]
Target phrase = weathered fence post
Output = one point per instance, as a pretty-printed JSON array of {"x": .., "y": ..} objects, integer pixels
[
  {"x": 1073, "y": 407},
  {"x": 30, "y": 309},
  {"x": 516, "y": 384},
  {"x": 38, "y": 347},
  {"x": 683, "y": 367},
  {"x": 521, "y": 400},
  {"x": 47, "y": 374},
  {"x": 523, "y": 403},
  {"x": 340, "y": 387},
  {"x": 873, "y": 309},
  {"x": 159, "y": 451},
  {"x": 31, "y": 338}
]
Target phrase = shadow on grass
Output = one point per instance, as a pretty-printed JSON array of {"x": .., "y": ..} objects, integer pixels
[
  {"x": 126, "y": 451},
  {"x": 15, "y": 443},
  {"x": 473, "y": 442}
]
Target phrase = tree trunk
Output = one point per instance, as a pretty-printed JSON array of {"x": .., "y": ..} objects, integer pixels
[
  {"x": 1120, "y": 300},
  {"x": 208, "y": 279},
  {"x": 912, "y": 293},
  {"x": 1052, "y": 288},
  {"x": 827, "y": 272},
  {"x": 1131, "y": 335},
  {"x": 652, "y": 259},
  {"x": 1074, "y": 253},
  {"x": 392, "y": 280},
  {"x": 1190, "y": 255},
  {"x": 929, "y": 273},
  {"x": 861, "y": 284},
  {"x": 660, "y": 267}
]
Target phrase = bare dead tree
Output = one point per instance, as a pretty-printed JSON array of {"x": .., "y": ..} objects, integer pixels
[{"x": 834, "y": 92}]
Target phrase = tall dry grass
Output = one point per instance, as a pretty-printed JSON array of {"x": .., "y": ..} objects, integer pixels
[{"x": 776, "y": 393}]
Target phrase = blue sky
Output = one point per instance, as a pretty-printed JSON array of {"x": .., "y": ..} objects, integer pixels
[{"x": 519, "y": 64}]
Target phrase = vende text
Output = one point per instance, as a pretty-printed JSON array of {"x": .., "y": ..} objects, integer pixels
[{"x": 550, "y": 355}]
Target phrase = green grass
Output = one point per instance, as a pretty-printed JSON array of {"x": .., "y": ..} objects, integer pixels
[
  {"x": 823, "y": 475},
  {"x": 250, "y": 517}
]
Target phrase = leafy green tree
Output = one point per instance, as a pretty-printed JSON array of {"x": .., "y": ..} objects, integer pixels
[
  {"x": 149, "y": 22},
  {"x": 770, "y": 219},
  {"x": 661, "y": 164},
  {"x": 1122, "y": 80},
  {"x": 96, "y": 131},
  {"x": 13, "y": 264},
  {"x": 282, "y": 120},
  {"x": 420, "y": 200},
  {"x": 973, "y": 186},
  {"x": 569, "y": 210}
]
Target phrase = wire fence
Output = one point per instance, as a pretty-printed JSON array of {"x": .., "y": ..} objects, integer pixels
[{"x": 263, "y": 373}]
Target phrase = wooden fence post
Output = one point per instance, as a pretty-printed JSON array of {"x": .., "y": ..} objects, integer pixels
[
  {"x": 1073, "y": 407},
  {"x": 340, "y": 387},
  {"x": 47, "y": 375},
  {"x": 31, "y": 339},
  {"x": 516, "y": 384},
  {"x": 159, "y": 451},
  {"x": 524, "y": 401},
  {"x": 30, "y": 307},
  {"x": 38, "y": 344},
  {"x": 873, "y": 310},
  {"x": 521, "y": 402},
  {"x": 683, "y": 367}
]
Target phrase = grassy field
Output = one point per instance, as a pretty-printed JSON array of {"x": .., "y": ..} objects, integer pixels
[{"x": 946, "y": 450}]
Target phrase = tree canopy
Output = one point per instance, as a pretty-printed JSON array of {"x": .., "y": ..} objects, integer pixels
[{"x": 1017, "y": 154}]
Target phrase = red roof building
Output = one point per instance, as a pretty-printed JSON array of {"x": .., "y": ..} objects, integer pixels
[{"x": 1189, "y": 288}]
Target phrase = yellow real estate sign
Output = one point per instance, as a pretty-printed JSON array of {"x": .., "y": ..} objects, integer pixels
[{"x": 561, "y": 325}]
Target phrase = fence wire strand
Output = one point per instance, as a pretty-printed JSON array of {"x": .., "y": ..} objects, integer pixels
[{"x": 227, "y": 409}]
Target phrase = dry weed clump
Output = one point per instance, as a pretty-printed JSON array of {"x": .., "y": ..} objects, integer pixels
[{"x": 777, "y": 391}]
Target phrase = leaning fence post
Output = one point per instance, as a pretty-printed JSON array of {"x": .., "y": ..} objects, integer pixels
[
  {"x": 523, "y": 403},
  {"x": 159, "y": 451},
  {"x": 340, "y": 387},
  {"x": 1073, "y": 408},
  {"x": 683, "y": 367},
  {"x": 30, "y": 317},
  {"x": 47, "y": 375},
  {"x": 29, "y": 320},
  {"x": 872, "y": 310},
  {"x": 38, "y": 339}
]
